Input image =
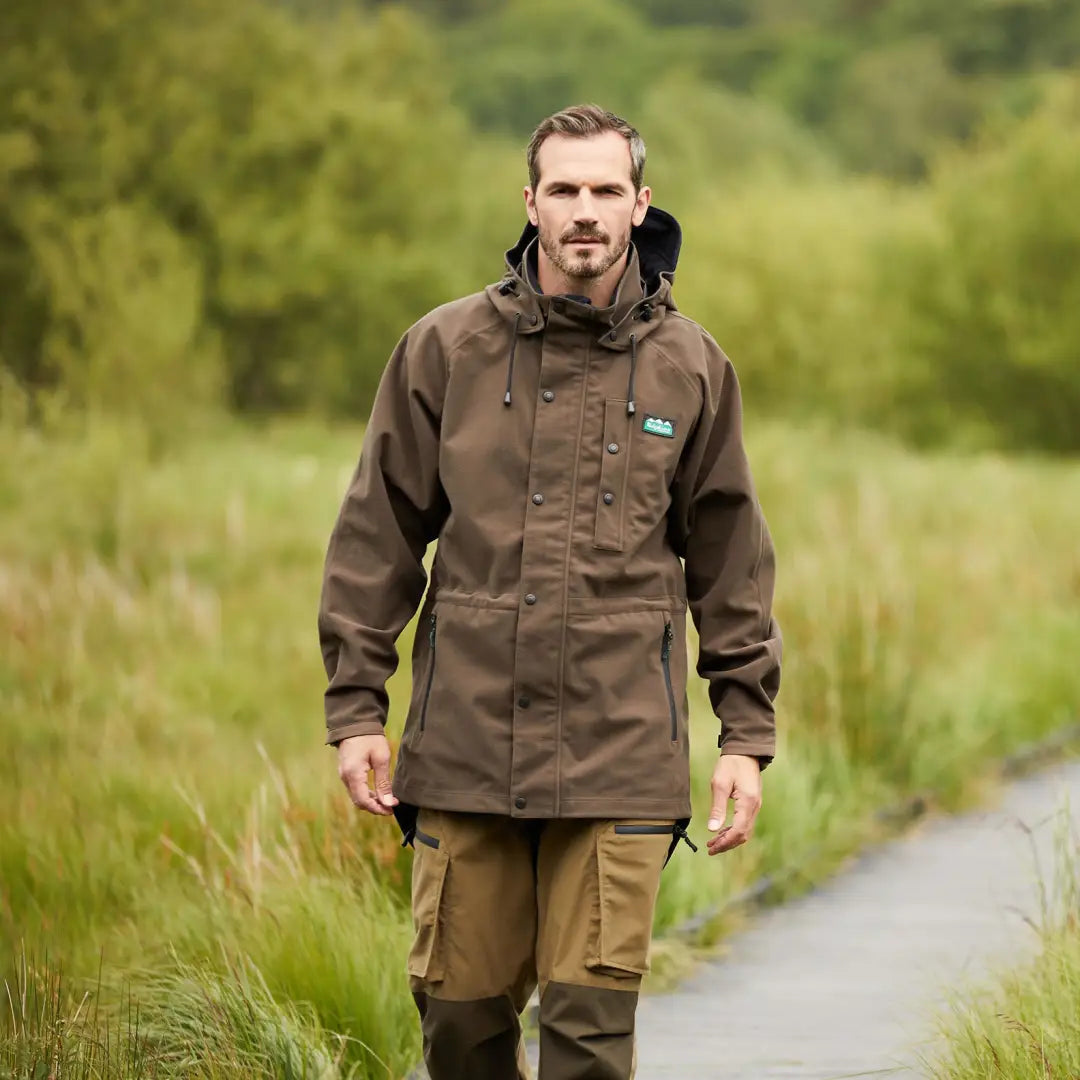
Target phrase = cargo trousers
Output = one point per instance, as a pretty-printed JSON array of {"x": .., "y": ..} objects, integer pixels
[{"x": 502, "y": 906}]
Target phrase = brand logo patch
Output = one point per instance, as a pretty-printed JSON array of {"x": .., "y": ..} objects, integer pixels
[{"x": 657, "y": 425}]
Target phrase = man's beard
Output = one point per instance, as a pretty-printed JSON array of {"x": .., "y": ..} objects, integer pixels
[{"x": 583, "y": 266}]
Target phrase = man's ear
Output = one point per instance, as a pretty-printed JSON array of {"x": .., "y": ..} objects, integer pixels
[
  {"x": 530, "y": 206},
  {"x": 641, "y": 207}
]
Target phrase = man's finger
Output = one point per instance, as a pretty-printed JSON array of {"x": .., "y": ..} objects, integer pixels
[
  {"x": 355, "y": 781},
  {"x": 381, "y": 767},
  {"x": 741, "y": 828},
  {"x": 727, "y": 839},
  {"x": 718, "y": 813},
  {"x": 364, "y": 797}
]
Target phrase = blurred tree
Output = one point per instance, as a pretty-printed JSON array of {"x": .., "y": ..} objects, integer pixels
[
  {"x": 249, "y": 203},
  {"x": 695, "y": 12},
  {"x": 97, "y": 295},
  {"x": 702, "y": 138},
  {"x": 520, "y": 65},
  {"x": 991, "y": 320},
  {"x": 807, "y": 77},
  {"x": 895, "y": 106},
  {"x": 452, "y": 10},
  {"x": 204, "y": 196},
  {"x": 991, "y": 35}
]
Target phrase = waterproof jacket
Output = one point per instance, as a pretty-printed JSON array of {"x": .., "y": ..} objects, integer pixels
[{"x": 566, "y": 458}]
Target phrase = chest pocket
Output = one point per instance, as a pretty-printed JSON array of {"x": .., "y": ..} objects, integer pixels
[
  {"x": 614, "y": 472},
  {"x": 638, "y": 459}
]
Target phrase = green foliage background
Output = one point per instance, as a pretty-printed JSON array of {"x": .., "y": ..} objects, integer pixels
[{"x": 243, "y": 205}]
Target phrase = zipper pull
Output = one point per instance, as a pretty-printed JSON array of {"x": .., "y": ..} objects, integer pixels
[
  {"x": 669, "y": 637},
  {"x": 681, "y": 834},
  {"x": 431, "y": 632}
]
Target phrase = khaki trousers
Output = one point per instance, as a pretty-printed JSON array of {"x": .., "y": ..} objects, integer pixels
[{"x": 502, "y": 905}]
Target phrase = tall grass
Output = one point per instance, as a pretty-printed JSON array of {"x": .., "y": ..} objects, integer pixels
[
  {"x": 1026, "y": 1024},
  {"x": 170, "y": 815}
]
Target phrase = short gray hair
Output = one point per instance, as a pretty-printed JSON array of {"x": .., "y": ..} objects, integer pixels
[{"x": 580, "y": 122}]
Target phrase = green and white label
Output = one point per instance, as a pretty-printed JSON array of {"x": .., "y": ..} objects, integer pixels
[{"x": 657, "y": 425}]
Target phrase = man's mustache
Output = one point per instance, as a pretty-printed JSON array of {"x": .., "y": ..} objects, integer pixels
[{"x": 584, "y": 234}]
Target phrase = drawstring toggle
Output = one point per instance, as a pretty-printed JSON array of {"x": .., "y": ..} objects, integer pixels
[{"x": 510, "y": 358}]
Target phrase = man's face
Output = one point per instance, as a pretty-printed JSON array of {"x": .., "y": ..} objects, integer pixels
[{"x": 585, "y": 203}]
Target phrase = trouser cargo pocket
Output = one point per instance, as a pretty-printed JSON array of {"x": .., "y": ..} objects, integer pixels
[
  {"x": 629, "y": 858},
  {"x": 430, "y": 864}
]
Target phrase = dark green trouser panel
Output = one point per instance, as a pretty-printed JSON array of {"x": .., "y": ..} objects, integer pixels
[
  {"x": 586, "y": 1032},
  {"x": 470, "y": 1040}
]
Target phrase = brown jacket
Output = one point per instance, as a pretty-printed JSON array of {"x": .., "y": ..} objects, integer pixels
[{"x": 565, "y": 458}]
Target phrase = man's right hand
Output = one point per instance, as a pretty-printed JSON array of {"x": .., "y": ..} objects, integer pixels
[{"x": 357, "y": 756}]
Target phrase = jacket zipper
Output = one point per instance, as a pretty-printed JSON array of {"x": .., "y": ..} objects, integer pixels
[
  {"x": 644, "y": 830},
  {"x": 430, "y": 672},
  {"x": 665, "y": 659}
]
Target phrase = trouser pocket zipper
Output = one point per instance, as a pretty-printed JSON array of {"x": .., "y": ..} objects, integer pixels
[
  {"x": 665, "y": 660},
  {"x": 430, "y": 672}
]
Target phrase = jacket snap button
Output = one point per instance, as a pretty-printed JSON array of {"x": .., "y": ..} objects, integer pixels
[
  {"x": 532, "y": 319},
  {"x": 549, "y": 395},
  {"x": 608, "y": 498},
  {"x": 520, "y": 802},
  {"x": 538, "y": 498},
  {"x": 612, "y": 336},
  {"x": 612, "y": 447},
  {"x": 530, "y": 598},
  {"x": 524, "y": 702}
]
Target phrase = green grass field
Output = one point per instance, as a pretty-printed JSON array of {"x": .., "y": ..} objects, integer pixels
[{"x": 170, "y": 817}]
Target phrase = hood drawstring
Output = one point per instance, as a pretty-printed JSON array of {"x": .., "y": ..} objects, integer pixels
[
  {"x": 645, "y": 314},
  {"x": 510, "y": 358}
]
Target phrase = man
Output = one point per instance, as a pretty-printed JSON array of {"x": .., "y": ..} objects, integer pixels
[{"x": 568, "y": 438}]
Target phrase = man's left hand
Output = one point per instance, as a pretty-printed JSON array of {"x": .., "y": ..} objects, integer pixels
[{"x": 736, "y": 777}]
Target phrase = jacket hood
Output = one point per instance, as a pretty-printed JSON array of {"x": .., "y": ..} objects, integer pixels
[
  {"x": 657, "y": 240},
  {"x": 641, "y": 300},
  {"x": 638, "y": 307}
]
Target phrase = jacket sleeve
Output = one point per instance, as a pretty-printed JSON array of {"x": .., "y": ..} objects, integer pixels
[
  {"x": 374, "y": 576},
  {"x": 719, "y": 530}
]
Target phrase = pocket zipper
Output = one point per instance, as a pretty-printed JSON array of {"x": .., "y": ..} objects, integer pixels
[
  {"x": 430, "y": 673},
  {"x": 644, "y": 830},
  {"x": 665, "y": 660}
]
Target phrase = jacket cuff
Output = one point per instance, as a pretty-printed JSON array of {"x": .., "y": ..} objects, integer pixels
[
  {"x": 358, "y": 727},
  {"x": 764, "y": 753}
]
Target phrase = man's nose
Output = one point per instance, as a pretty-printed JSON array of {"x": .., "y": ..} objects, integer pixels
[{"x": 585, "y": 209}]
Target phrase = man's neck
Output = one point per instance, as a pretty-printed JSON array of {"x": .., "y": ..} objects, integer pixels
[{"x": 599, "y": 289}]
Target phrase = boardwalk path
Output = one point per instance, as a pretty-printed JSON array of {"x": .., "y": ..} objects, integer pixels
[{"x": 841, "y": 982}]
